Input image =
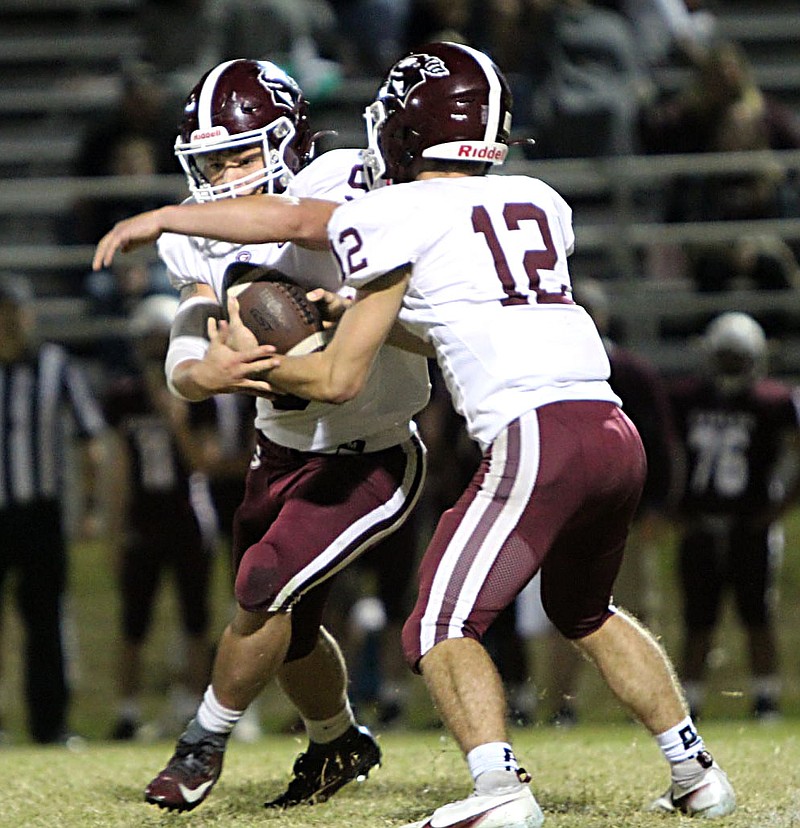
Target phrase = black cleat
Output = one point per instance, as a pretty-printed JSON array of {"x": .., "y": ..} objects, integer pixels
[{"x": 324, "y": 769}]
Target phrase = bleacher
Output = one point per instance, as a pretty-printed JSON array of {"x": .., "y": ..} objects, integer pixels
[{"x": 60, "y": 61}]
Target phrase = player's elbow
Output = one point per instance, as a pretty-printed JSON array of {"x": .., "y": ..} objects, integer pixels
[
  {"x": 340, "y": 388},
  {"x": 308, "y": 223},
  {"x": 310, "y": 236}
]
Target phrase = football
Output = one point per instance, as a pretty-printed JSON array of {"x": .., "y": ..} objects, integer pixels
[{"x": 274, "y": 308}]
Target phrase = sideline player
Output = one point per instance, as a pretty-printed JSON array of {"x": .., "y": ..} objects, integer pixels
[
  {"x": 739, "y": 431},
  {"x": 158, "y": 506},
  {"x": 325, "y": 483}
]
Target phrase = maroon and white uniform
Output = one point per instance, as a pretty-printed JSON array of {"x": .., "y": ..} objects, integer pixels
[
  {"x": 168, "y": 508},
  {"x": 326, "y": 482},
  {"x": 734, "y": 445},
  {"x": 563, "y": 467}
]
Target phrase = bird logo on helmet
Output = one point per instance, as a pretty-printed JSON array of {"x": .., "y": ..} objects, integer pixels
[
  {"x": 407, "y": 74},
  {"x": 237, "y": 105},
  {"x": 446, "y": 102}
]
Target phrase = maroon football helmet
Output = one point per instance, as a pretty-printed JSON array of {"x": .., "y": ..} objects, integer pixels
[
  {"x": 444, "y": 101},
  {"x": 238, "y": 104}
]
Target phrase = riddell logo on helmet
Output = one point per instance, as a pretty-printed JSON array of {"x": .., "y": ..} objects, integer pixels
[
  {"x": 205, "y": 134},
  {"x": 481, "y": 154}
]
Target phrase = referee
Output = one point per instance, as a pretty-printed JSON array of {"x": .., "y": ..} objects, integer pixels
[{"x": 38, "y": 384}]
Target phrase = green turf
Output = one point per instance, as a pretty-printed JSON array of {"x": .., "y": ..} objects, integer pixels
[
  {"x": 597, "y": 775},
  {"x": 589, "y": 777},
  {"x": 93, "y": 610}
]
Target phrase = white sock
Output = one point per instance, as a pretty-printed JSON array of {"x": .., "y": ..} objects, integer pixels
[
  {"x": 323, "y": 731},
  {"x": 680, "y": 742},
  {"x": 212, "y": 716},
  {"x": 492, "y": 756}
]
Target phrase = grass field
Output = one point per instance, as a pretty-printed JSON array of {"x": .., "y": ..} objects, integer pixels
[
  {"x": 598, "y": 774},
  {"x": 590, "y": 777}
]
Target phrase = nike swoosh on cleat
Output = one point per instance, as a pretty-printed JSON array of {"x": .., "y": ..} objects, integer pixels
[
  {"x": 193, "y": 795},
  {"x": 469, "y": 822}
]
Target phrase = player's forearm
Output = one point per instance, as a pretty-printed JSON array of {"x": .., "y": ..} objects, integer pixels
[
  {"x": 318, "y": 377},
  {"x": 252, "y": 220},
  {"x": 338, "y": 373}
]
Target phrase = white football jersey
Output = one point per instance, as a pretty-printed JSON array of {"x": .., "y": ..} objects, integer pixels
[
  {"x": 490, "y": 289},
  {"x": 380, "y": 416}
]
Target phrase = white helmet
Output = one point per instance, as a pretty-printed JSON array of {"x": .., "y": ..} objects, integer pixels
[
  {"x": 737, "y": 350},
  {"x": 153, "y": 315}
]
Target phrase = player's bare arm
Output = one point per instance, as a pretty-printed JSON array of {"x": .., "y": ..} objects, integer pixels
[
  {"x": 338, "y": 373},
  {"x": 250, "y": 219},
  {"x": 206, "y": 356},
  {"x": 333, "y": 305}
]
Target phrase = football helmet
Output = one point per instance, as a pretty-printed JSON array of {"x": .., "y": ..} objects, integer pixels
[
  {"x": 736, "y": 346},
  {"x": 240, "y": 104},
  {"x": 446, "y": 101}
]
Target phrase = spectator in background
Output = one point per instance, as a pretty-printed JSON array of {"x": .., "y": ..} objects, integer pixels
[
  {"x": 722, "y": 109},
  {"x": 668, "y": 30},
  {"x": 179, "y": 36},
  {"x": 374, "y": 30},
  {"x": 115, "y": 293},
  {"x": 579, "y": 77},
  {"x": 158, "y": 508},
  {"x": 183, "y": 37},
  {"x": 302, "y": 36},
  {"x": 38, "y": 383},
  {"x": 132, "y": 140},
  {"x": 738, "y": 430},
  {"x": 430, "y": 20}
]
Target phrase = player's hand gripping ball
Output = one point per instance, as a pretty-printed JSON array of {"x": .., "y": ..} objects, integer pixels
[{"x": 274, "y": 308}]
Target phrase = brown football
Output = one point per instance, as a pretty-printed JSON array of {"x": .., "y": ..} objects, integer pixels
[{"x": 276, "y": 310}]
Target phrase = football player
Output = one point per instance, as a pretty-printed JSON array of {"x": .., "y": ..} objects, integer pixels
[
  {"x": 739, "y": 431},
  {"x": 326, "y": 482},
  {"x": 475, "y": 267},
  {"x": 159, "y": 511}
]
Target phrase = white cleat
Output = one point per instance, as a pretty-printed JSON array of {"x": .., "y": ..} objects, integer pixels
[
  {"x": 710, "y": 796},
  {"x": 518, "y": 809}
]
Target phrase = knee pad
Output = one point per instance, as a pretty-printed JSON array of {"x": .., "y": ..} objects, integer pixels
[{"x": 257, "y": 581}]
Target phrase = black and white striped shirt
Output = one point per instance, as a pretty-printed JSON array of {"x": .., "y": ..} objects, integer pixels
[{"x": 35, "y": 395}]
